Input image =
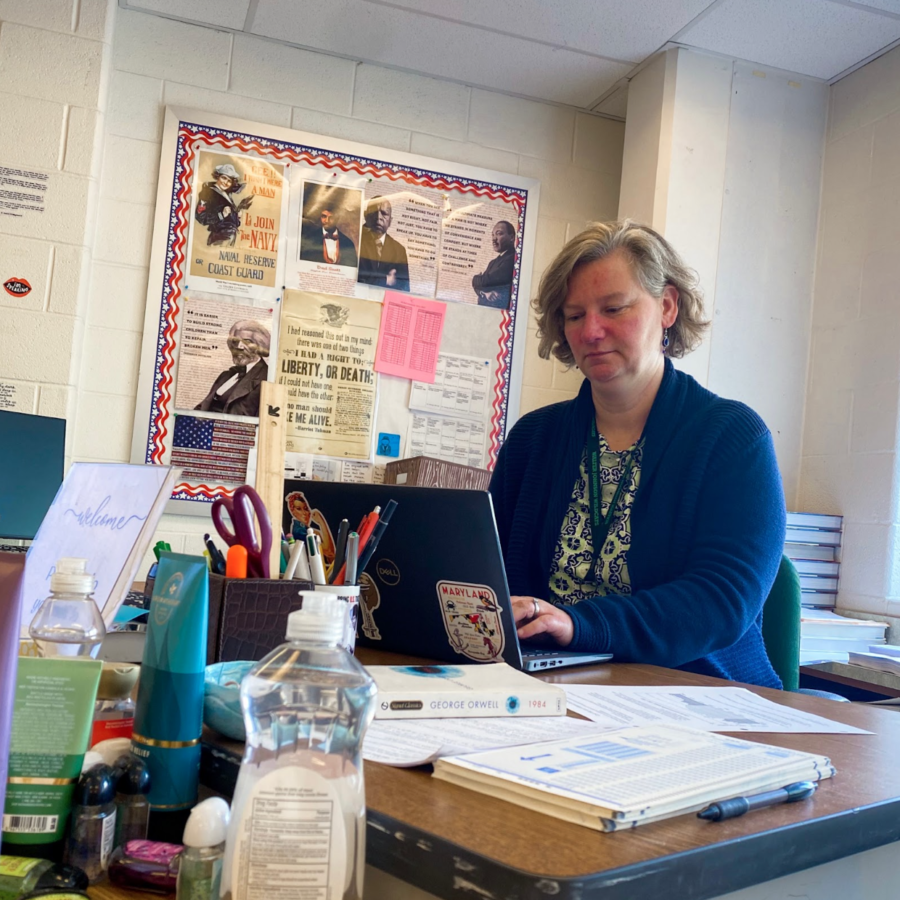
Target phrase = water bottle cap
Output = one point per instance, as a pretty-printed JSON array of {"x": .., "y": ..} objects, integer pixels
[
  {"x": 208, "y": 823},
  {"x": 321, "y": 619},
  {"x": 71, "y": 577}
]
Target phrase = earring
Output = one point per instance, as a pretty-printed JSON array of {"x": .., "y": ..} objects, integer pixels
[{"x": 665, "y": 340}]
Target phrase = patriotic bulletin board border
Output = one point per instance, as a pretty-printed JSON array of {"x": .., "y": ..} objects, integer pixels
[{"x": 187, "y": 133}]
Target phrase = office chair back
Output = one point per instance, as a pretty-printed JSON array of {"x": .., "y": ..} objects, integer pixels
[{"x": 781, "y": 625}]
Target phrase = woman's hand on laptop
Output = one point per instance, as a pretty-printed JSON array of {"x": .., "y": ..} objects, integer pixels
[{"x": 534, "y": 616}]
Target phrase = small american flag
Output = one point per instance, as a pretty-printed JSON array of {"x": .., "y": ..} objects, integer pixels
[{"x": 212, "y": 449}]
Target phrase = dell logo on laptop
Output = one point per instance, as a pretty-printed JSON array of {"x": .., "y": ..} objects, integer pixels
[{"x": 387, "y": 571}]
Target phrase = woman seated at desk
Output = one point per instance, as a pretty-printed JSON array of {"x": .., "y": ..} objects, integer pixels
[{"x": 645, "y": 517}]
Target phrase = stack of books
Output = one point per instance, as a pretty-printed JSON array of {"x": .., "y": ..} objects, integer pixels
[
  {"x": 631, "y": 776},
  {"x": 880, "y": 657},
  {"x": 813, "y": 544},
  {"x": 827, "y": 637}
]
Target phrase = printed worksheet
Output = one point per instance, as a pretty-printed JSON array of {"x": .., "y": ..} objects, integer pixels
[
  {"x": 410, "y": 336},
  {"x": 446, "y": 437},
  {"x": 704, "y": 708},
  {"x": 460, "y": 388},
  {"x": 414, "y": 742}
]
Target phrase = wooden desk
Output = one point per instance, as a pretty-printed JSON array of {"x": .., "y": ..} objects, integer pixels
[
  {"x": 453, "y": 843},
  {"x": 869, "y": 683}
]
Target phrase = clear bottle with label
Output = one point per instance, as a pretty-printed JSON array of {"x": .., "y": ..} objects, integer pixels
[
  {"x": 298, "y": 813},
  {"x": 92, "y": 827},
  {"x": 132, "y": 805},
  {"x": 68, "y": 623}
]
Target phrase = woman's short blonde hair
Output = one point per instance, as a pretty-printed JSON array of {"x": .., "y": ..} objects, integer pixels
[{"x": 656, "y": 264}]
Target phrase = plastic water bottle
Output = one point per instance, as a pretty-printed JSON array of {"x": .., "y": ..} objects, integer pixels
[
  {"x": 298, "y": 814},
  {"x": 68, "y": 622}
]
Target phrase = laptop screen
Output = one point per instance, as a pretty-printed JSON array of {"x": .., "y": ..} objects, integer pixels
[
  {"x": 436, "y": 585},
  {"x": 32, "y": 457}
]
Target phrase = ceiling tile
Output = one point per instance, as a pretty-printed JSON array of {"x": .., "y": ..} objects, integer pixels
[
  {"x": 624, "y": 31},
  {"x": 407, "y": 40},
  {"x": 226, "y": 13},
  {"x": 811, "y": 37}
]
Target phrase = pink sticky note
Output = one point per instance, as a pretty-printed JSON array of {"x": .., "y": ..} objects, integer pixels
[{"x": 410, "y": 336}]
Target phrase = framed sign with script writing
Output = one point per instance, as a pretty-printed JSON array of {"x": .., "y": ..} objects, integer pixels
[{"x": 107, "y": 514}]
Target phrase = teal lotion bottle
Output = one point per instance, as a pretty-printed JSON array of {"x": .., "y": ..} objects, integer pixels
[
  {"x": 169, "y": 712},
  {"x": 298, "y": 815},
  {"x": 200, "y": 872}
]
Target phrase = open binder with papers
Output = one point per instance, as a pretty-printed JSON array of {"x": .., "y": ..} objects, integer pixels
[{"x": 631, "y": 776}]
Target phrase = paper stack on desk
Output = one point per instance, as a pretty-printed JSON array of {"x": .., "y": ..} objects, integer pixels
[
  {"x": 828, "y": 637},
  {"x": 621, "y": 779},
  {"x": 880, "y": 657}
]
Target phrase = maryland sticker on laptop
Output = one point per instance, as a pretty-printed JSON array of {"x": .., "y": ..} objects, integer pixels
[{"x": 471, "y": 614}]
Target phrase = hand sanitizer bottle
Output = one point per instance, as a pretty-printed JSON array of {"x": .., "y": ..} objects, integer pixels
[
  {"x": 298, "y": 815},
  {"x": 200, "y": 872},
  {"x": 68, "y": 622}
]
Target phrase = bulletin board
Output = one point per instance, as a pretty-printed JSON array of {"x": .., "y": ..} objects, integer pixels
[{"x": 382, "y": 288}]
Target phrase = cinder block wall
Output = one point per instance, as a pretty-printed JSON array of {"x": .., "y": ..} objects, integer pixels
[
  {"x": 54, "y": 59},
  {"x": 158, "y": 62},
  {"x": 850, "y": 459}
]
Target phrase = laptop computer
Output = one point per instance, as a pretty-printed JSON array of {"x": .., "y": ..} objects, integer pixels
[
  {"x": 436, "y": 585},
  {"x": 32, "y": 458}
]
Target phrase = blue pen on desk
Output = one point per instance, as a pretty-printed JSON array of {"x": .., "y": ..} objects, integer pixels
[{"x": 737, "y": 806}]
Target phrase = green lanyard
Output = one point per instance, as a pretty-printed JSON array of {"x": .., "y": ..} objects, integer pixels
[{"x": 600, "y": 524}]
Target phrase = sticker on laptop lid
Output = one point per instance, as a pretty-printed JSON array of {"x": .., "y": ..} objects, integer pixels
[
  {"x": 471, "y": 616},
  {"x": 369, "y": 601}
]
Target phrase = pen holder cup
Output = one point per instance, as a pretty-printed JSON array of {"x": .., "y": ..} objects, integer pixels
[
  {"x": 248, "y": 616},
  {"x": 349, "y": 594}
]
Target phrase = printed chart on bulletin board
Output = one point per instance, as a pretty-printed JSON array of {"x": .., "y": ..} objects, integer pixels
[{"x": 387, "y": 291}]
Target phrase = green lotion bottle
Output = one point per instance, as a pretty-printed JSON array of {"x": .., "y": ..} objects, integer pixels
[{"x": 20, "y": 875}]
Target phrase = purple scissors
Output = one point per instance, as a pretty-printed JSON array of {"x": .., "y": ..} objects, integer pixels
[{"x": 243, "y": 508}]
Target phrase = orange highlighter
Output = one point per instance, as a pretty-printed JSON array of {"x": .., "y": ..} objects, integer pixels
[{"x": 236, "y": 563}]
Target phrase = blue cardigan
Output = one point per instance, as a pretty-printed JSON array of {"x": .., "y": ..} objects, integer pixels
[{"x": 708, "y": 527}]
